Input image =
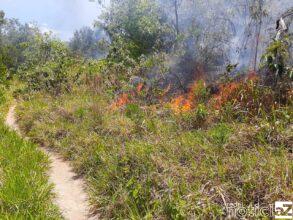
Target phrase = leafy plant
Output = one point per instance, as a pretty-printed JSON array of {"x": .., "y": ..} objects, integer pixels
[
  {"x": 136, "y": 28},
  {"x": 276, "y": 65}
]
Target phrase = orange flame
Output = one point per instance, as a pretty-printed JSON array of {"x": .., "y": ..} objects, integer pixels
[
  {"x": 187, "y": 102},
  {"x": 228, "y": 91},
  {"x": 122, "y": 100},
  {"x": 181, "y": 104},
  {"x": 252, "y": 76},
  {"x": 126, "y": 98},
  {"x": 139, "y": 87},
  {"x": 223, "y": 96}
]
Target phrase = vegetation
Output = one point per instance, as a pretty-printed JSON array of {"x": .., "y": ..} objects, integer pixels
[
  {"x": 25, "y": 192},
  {"x": 136, "y": 28},
  {"x": 148, "y": 162},
  {"x": 88, "y": 43},
  {"x": 156, "y": 133}
]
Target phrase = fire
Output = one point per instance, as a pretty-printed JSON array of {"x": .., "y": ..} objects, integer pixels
[
  {"x": 225, "y": 92},
  {"x": 187, "y": 102},
  {"x": 139, "y": 87},
  {"x": 122, "y": 100},
  {"x": 126, "y": 98},
  {"x": 252, "y": 76},
  {"x": 229, "y": 91},
  {"x": 181, "y": 104}
]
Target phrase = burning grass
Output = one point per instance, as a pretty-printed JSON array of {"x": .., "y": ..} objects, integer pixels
[
  {"x": 147, "y": 162},
  {"x": 121, "y": 101},
  {"x": 188, "y": 101},
  {"x": 239, "y": 99},
  {"x": 127, "y": 97},
  {"x": 245, "y": 96},
  {"x": 182, "y": 104}
]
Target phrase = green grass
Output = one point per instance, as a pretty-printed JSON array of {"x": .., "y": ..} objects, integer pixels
[
  {"x": 5, "y": 101},
  {"x": 149, "y": 163},
  {"x": 24, "y": 189}
]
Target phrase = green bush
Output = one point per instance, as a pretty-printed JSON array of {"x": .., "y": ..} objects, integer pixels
[
  {"x": 277, "y": 68},
  {"x": 47, "y": 64},
  {"x": 136, "y": 28}
]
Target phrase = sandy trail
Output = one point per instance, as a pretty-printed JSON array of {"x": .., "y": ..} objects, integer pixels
[
  {"x": 70, "y": 195},
  {"x": 10, "y": 119}
]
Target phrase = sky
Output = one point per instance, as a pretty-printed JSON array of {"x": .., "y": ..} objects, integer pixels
[{"x": 62, "y": 17}]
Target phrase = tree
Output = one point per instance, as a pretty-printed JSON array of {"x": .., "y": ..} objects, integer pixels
[
  {"x": 86, "y": 42},
  {"x": 257, "y": 13},
  {"x": 2, "y": 14},
  {"x": 14, "y": 39},
  {"x": 46, "y": 64},
  {"x": 135, "y": 28},
  {"x": 176, "y": 15}
]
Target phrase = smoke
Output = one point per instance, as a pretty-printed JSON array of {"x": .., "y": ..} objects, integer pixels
[
  {"x": 217, "y": 33},
  {"x": 214, "y": 34}
]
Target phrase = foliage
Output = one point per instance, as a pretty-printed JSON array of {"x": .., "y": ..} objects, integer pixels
[
  {"x": 38, "y": 59},
  {"x": 2, "y": 14},
  {"x": 15, "y": 38},
  {"x": 25, "y": 192},
  {"x": 192, "y": 119},
  {"x": 278, "y": 70},
  {"x": 148, "y": 162},
  {"x": 136, "y": 28},
  {"x": 220, "y": 133},
  {"x": 46, "y": 63},
  {"x": 88, "y": 42},
  {"x": 276, "y": 58}
]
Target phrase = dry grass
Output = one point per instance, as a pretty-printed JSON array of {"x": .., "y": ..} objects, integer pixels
[{"x": 146, "y": 163}]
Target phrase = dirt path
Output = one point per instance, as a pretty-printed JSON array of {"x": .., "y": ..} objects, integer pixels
[
  {"x": 70, "y": 195},
  {"x": 10, "y": 119}
]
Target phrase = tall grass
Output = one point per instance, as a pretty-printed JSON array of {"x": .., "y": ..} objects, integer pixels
[{"x": 146, "y": 163}]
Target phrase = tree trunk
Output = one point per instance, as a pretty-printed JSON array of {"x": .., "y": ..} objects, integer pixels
[
  {"x": 258, "y": 32},
  {"x": 176, "y": 16}
]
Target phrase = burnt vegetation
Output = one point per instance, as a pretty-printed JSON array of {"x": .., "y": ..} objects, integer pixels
[{"x": 169, "y": 109}]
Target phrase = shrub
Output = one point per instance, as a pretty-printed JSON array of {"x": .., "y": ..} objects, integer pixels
[
  {"x": 47, "y": 64},
  {"x": 134, "y": 112},
  {"x": 277, "y": 68},
  {"x": 136, "y": 28}
]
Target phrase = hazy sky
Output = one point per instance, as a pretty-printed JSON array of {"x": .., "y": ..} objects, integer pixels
[{"x": 60, "y": 16}]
